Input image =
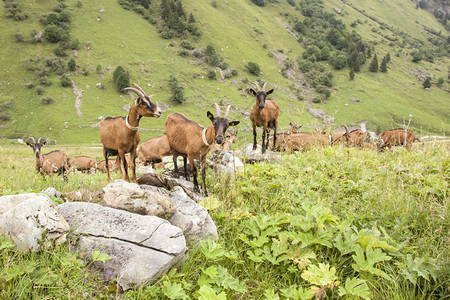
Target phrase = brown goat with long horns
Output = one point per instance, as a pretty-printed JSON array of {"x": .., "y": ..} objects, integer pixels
[
  {"x": 188, "y": 139},
  {"x": 120, "y": 135},
  {"x": 264, "y": 114},
  {"x": 53, "y": 162}
]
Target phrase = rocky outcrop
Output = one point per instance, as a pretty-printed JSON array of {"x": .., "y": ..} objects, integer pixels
[
  {"x": 29, "y": 218},
  {"x": 141, "y": 248}
]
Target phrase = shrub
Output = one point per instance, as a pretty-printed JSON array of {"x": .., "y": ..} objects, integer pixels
[
  {"x": 234, "y": 72},
  {"x": 212, "y": 74},
  {"x": 65, "y": 81},
  {"x": 351, "y": 74},
  {"x": 121, "y": 79},
  {"x": 338, "y": 61},
  {"x": 187, "y": 45},
  {"x": 29, "y": 85},
  {"x": 177, "y": 90},
  {"x": 39, "y": 90},
  {"x": 72, "y": 65},
  {"x": 253, "y": 68},
  {"x": 183, "y": 53},
  {"x": 259, "y": 2},
  {"x": 54, "y": 34},
  {"x": 427, "y": 83},
  {"x": 18, "y": 37},
  {"x": 374, "y": 64}
]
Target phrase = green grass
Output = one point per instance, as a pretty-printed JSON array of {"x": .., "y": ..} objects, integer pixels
[
  {"x": 280, "y": 226},
  {"x": 240, "y": 32}
]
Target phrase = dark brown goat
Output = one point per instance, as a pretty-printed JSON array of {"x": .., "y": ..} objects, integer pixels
[
  {"x": 153, "y": 150},
  {"x": 82, "y": 163},
  {"x": 264, "y": 114},
  {"x": 120, "y": 135},
  {"x": 188, "y": 139},
  {"x": 53, "y": 162},
  {"x": 397, "y": 137}
]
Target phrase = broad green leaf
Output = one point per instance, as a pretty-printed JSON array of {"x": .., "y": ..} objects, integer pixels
[
  {"x": 211, "y": 271},
  {"x": 97, "y": 256},
  {"x": 18, "y": 270},
  {"x": 210, "y": 203},
  {"x": 212, "y": 250},
  {"x": 259, "y": 242},
  {"x": 6, "y": 244},
  {"x": 321, "y": 275},
  {"x": 227, "y": 281},
  {"x": 297, "y": 293},
  {"x": 355, "y": 287},
  {"x": 271, "y": 295},
  {"x": 207, "y": 293},
  {"x": 256, "y": 256},
  {"x": 301, "y": 256},
  {"x": 173, "y": 290},
  {"x": 367, "y": 265},
  {"x": 413, "y": 268}
]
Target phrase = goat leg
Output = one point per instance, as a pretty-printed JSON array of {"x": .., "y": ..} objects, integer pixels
[
  {"x": 254, "y": 138},
  {"x": 205, "y": 191},
  {"x": 263, "y": 149},
  {"x": 194, "y": 174},
  {"x": 133, "y": 165}
]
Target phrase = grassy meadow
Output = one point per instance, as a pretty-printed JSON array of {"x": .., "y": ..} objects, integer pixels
[{"x": 326, "y": 223}]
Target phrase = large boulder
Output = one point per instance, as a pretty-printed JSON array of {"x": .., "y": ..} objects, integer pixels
[
  {"x": 129, "y": 196},
  {"x": 192, "y": 218},
  {"x": 141, "y": 248},
  {"x": 29, "y": 218},
  {"x": 253, "y": 156}
]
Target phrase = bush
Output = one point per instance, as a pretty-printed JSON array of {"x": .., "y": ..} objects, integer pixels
[
  {"x": 234, "y": 72},
  {"x": 427, "y": 83},
  {"x": 121, "y": 79},
  {"x": 177, "y": 90},
  {"x": 18, "y": 37},
  {"x": 72, "y": 65},
  {"x": 338, "y": 61},
  {"x": 374, "y": 64},
  {"x": 183, "y": 53},
  {"x": 212, "y": 74},
  {"x": 47, "y": 100},
  {"x": 253, "y": 68},
  {"x": 65, "y": 81},
  {"x": 259, "y": 2},
  {"x": 54, "y": 34}
]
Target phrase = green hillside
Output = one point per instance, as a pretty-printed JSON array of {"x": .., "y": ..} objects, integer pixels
[{"x": 240, "y": 32}]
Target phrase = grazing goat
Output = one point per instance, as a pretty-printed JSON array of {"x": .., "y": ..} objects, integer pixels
[
  {"x": 188, "y": 139},
  {"x": 82, "y": 163},
  {"x": 120, "y": 135},
  {"x": 264, "y": 114},
  {"x": 397, "y": 137},
  {"x": 53, "y": 162},
  {"x": 301, "y": 141},
  {"x": 353, "y": 138},
  {"x": 230, "y": 139},
  {"x": 153, "y": 150}
]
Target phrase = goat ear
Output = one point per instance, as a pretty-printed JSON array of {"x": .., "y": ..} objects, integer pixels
[
  {"x": 233, "y": 123},
  {"x": 30, "y": 144},
  {"x": 269, "y": 92},
  {"x": 252, "y": 91},
  {"x": 210, "y": 116},
  {"x": 44, "y": 142}
]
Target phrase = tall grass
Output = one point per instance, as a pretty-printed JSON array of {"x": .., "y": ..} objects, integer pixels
[{"x": 333, "y": 222}]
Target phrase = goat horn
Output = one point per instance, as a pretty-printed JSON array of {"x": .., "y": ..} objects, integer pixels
[
  {"x": 140, "y": 94},
  {"x": 346, "y": 129},
  {"x": 39, "y": 139},
  {"x": 256, "y": 83},
  {"x": 264, "y": 86},
  {"x": 227, "y": 112},
  {"x": 139, "y": 88},
  {"x": 32, "y": 138},
  {"x": 217, "y": 109}
]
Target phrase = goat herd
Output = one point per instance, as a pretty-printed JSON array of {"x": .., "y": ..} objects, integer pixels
[{"x": 186, "y": 138}]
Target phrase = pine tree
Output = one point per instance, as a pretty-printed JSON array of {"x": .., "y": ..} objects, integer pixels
[
  {"x": 427, "y": 83},
  {"x": 383, "y": 65},
  {"x": 374, "y": 64},
  {"x": 352, "y": 74}
]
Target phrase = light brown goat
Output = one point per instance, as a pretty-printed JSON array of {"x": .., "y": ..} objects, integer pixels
[
  {"x": 192, "y": 141},
  {"x": 53, "y": 162},
  {"x": 264, "y": 114},
  {"x": 82, "y": 163},
  {"x": 120, "y": 135},
  {"x": 226, "y": 146},
  {"x": 301, "y": 141},
  {"x": 354, "y": 138},
  {"x": 153, "y": 150},
  {"x": 397, "y": 137}
]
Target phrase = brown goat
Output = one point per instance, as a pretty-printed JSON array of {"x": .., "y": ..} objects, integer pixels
[
  {"x": 153, "y": 150},
  {"x": 353, "y": 138},
  {"x": 397, "y": 137},
  {"x": 230, "y": 139},
  {"x": 264, "y": 114},
  {"x": 188, "y": 139},
  {"x": 53, "y": 162},
  {"x": 295, "y": 128},
  {"x": 82, "y": 163},
  {"x": 301, "y": 141},
  {"x": 120, "y": 135},
  {"x": 112, "y": 164}
]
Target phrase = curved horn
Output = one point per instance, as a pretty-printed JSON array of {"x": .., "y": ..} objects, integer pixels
[
  {"x": 264, "y": 86},
  {"x": 39, "y": 140},
  {"x": 217, "y": 109},
  {"x": 225, "y": 116},
  {"x": 256, "y": 83},
  {"x": 32, "y": 138},
  {"x": 346, "y": 129},
  {"x": 138, "y": 92},
  {"x": 139, "y": 88}
]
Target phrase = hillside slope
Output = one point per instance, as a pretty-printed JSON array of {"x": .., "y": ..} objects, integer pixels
[{"x": 240, "y": 32}]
